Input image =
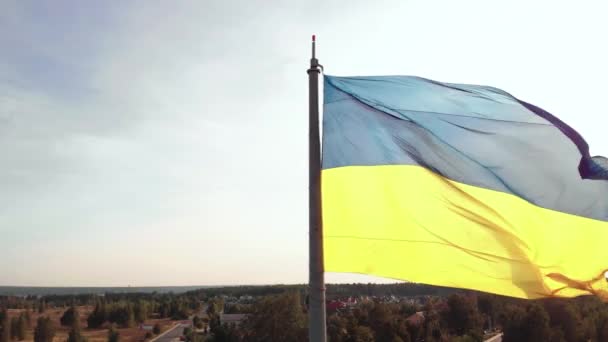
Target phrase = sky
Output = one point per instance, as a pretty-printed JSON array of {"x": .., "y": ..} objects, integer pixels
[{"x": 165, "y": 142}]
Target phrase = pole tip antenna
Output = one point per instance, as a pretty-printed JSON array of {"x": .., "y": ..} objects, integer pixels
[{"x": 313, "y": 61}]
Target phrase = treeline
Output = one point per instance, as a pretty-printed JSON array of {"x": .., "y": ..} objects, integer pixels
[
  {"x": 116, "y": 315},
  {"x": 460, "y": 317},
  {"x": 277, "y": 317},
  {"x": 117, "y": 311},
  {"x": 65, "y": 301},
  {"x": 333, "y": 290},
  {"x": 381, "y": 290},
  {"x": 416, "y": 313},
  {"x": 13, "y": 328},
  {"x": 126, "y": 314},
  {"x": 555, "y": 320},
  {"x": 238, "y": 291},
  {"x": 142, "y": 304}
]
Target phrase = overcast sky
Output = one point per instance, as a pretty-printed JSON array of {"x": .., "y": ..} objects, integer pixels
[{"x": 165, "y": 142}]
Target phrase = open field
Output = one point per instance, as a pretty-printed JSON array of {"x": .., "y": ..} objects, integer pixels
[{"x": 93, "y": 335}]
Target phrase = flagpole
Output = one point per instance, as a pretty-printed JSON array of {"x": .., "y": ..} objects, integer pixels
[{"x": 316, "y": 286}]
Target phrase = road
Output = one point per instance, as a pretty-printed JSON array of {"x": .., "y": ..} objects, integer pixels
[
  {"x": 497, "y": 338},
  {"x": 173, "y": 335}
]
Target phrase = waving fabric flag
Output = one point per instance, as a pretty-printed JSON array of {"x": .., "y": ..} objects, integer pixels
[{"x": 461, "y": 186}]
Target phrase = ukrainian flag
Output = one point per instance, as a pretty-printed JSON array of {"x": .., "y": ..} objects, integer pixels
[{"x": 461, "y": 186}]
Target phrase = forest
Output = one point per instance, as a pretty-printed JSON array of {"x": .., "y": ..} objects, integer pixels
[{"x": 373, "y": 312}]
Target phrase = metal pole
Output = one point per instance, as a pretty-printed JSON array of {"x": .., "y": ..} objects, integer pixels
[{"x": 316, "y": 312}]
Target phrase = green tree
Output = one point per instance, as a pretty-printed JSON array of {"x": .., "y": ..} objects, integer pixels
[
  {"x": 197, "y": 322},
  {"x": 14, "y": 327},
  {"x": 6, "y": 327},
  {"x": 98, "y": 316},
  {"x": 187, "y": 331},
  {"x": 215, "y": 306},
  {"x": 163, "y": 310},
  {"x": 140, "y": 311},
  {"x": 75, "y": 334},
  {"x": 535, "y": 326},
  {"x": 415, "y": 330},
  {"x": 512, "y": 319},
  {"x": 602, "y": 331},
  {"x": 130, "y": 316},
  {"x": 226, "y": 333},
  {"x": 557, "y": 335},
  {"x": 565, "y": 316},
  {"x": 362, "y": 334},
  {"x": 41, "y": 306},
  {"x": 178, "y": 310},
  {"x": 69, "y": 316},
  {"x": 387, "y": 324},
  {"x": 22, "y": 326},
  {"x": 121, "y": 314},
  {"x": 277, "y": 318},
  {"x": 45, "y": 330},
  {"x": 431, "y": 328},
  {"x": 488, "y": 307},
  {"x": 589, "y": 327},
  {"x": 465, "y": 338},
  {"x": 337, "y": 330},
  {"x": 379, "y": 317},
  {"x": 28, "y": 318},
  {"x": 113, "y": 334},
  {"x": 407, "y": 309},
  {"x": 192, "y": 336},
  {"x": 462, "y": 316}
]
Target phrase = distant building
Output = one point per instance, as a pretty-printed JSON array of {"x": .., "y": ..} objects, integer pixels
[
  {"x": 235, "y": 319},
  {"x": 334, "y": 305},
  {"x": 246, "y": 299},
  {"x": 341, "y": 304},
  {"x": 416, "y": 319}
]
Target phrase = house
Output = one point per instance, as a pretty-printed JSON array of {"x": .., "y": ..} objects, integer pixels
[
  {"x": 339, "y": 304},
  {"x": 235, "y": 319},
  {"x": 334, "y": 305},
  {"x": 146, "y": 327},
  {"x": 416, "y": 319}
]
